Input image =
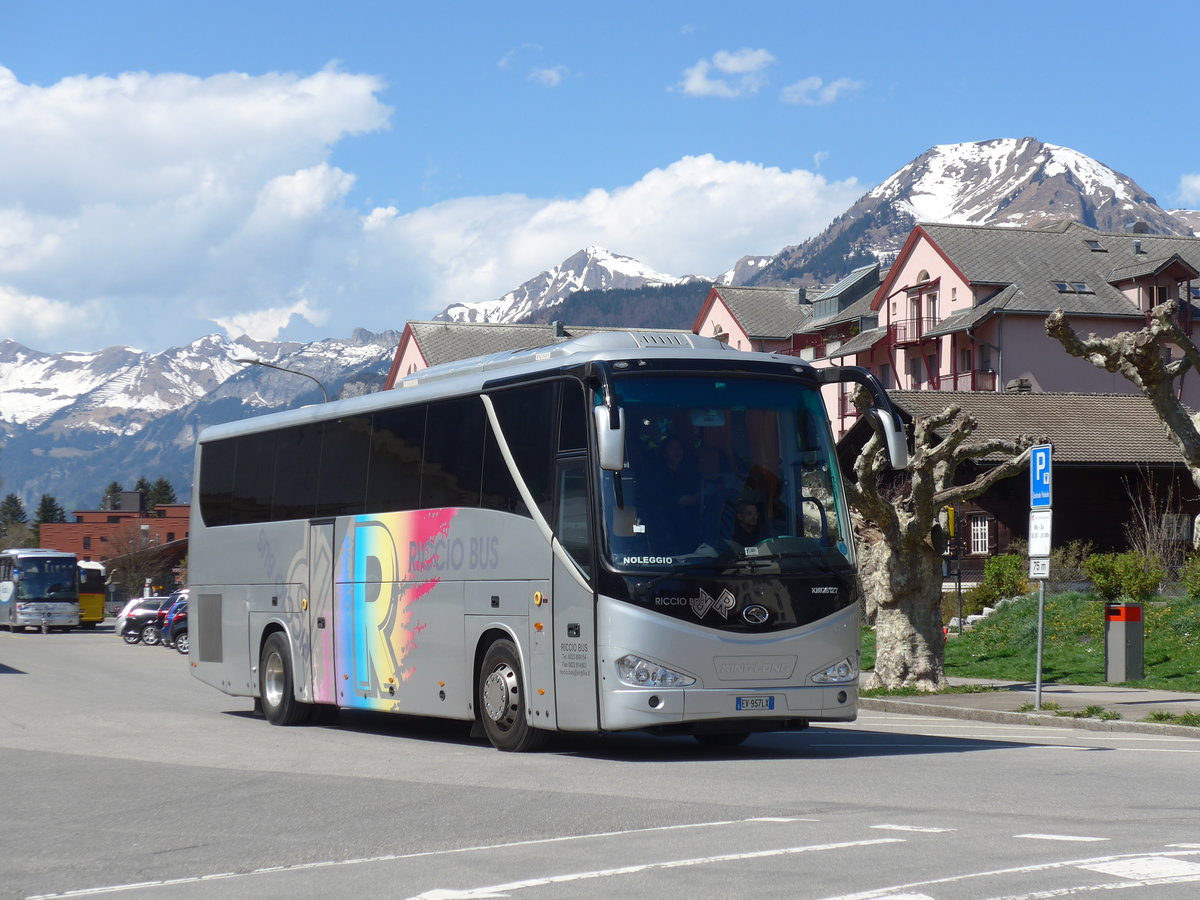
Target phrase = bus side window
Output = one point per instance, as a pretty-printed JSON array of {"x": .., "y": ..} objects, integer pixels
[
  {"x": 394, "y": 472},
  {"x": 527, "y": 418},
  {"x": 573, "y": 525},
  {"x": 453, "y": 468}
]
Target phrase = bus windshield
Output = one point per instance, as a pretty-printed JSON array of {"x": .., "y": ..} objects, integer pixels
[
  {"x": 47, "y": 578},
  {"x": 724, "y": 472}
]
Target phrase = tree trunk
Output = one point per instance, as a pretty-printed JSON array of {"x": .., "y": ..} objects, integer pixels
[{"x": 909, "y": 640}]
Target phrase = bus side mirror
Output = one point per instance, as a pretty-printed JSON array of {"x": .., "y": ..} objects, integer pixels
[
  {"x": 886, "y": 424},
  {"x": 610, "y": 437}
]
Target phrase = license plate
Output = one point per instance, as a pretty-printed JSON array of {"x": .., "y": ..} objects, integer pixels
[{"x": 755, "y": 703}]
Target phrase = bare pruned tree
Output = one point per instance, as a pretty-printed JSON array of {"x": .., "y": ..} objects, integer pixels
[
  {"x": 1144, "y": 357},
  {"x": 902, "y": 571}
]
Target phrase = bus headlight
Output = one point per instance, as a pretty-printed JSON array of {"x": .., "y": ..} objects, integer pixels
[
  {"x": 840, "y": 673},
  {"x": 638, "y": 672}
]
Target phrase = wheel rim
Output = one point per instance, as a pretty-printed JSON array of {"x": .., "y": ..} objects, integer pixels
[
  {"x": 273, "y": 680},
  {"x": 501, "y": 695},
  {"x": 181, "y": 643}
]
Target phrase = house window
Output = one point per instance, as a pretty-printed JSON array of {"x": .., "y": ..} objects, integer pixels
[
  {"x": 1160, "y": 293},
  {"x": 931, "y": 305},
  {"x": 170, "y": 536},
  {"x": 964, "y": 359},
  {"x": 915, "y": 371},
  {"x": 87, "y": 543},
  {"x": 1095, "y": 247},
  {"x": 979, "y": 534},
  {"x": 885, "y": 376}
]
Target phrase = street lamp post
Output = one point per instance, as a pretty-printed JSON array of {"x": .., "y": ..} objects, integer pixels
[{"x": 255, "y": 361}]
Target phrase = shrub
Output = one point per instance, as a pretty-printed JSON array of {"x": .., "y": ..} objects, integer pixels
[
  {"x": 1130, "y": 577},
  {"x": 1004, "y": 576},
  {"x": 1189, "y": 576}
]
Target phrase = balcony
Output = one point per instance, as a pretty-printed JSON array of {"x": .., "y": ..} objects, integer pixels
[
  {"x": 968, "y": 381},
  {"x": 910, "y": 331}
]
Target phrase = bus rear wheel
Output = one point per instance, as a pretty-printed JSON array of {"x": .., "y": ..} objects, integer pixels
[
  {"x": 276, "y": 685},
  {"x": 502, "y": 701}
]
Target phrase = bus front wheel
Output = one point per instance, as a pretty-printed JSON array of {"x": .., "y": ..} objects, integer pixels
[
  {"x": 276, "y": 685},
  {"x": 502, "y": 701}
]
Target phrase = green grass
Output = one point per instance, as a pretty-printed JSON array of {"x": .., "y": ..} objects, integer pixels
[{"x": 1004, "y": 646}]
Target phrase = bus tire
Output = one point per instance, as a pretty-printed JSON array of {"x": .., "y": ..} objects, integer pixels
[
  {"x": 276, "y": 686},
  {"x": 502, "y": 701}
]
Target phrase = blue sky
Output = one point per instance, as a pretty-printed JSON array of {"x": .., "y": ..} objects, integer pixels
[{"x": 169, "y": 170}]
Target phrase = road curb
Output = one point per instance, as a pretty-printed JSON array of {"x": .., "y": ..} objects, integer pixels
[{"x": 913, "y": 708}]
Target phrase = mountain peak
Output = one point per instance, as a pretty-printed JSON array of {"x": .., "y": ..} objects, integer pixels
[
  {"x": 1020, "y": 182},
  {"x": 593, "y": 268}
]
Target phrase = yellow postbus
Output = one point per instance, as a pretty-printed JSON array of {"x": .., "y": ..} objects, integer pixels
[{"x": 92, "y": 590}]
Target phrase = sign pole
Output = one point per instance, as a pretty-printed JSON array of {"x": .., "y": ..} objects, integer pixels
[{"x": 1040, "y": 512}]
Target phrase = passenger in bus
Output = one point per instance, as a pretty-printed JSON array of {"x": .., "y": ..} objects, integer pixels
[{"x": 748, "y": 526}]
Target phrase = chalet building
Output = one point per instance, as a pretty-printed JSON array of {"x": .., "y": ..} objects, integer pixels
[
  {"x": 1109, "y": 450},
  {"x": 754, "y": 318},
  {"x": 964, "y": 307},
  {"x": 425, "y": 344}
]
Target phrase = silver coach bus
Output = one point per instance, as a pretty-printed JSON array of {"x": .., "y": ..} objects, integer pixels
[
  {"x": 38, "y": 587},
  {"x": 556, "y": 539}
]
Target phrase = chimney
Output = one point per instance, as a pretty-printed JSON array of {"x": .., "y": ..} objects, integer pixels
[
  {"x": 1137, "y": 247},
  {"x": 559, "y": 330},
  {"x": 1019, "y": 386}
]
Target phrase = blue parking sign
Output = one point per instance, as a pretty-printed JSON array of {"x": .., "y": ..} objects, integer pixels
[{"x": 1039, "y": 477}]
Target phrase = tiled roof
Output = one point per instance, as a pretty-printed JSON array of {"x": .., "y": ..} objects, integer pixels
[
  {"x": 1084, "y": 428},
  {"x": 1033, "y": 259},
  {"x": 773, "y": 313},
  {"x": 443, "y": 342},
  {"x": 859, "y": 343}
]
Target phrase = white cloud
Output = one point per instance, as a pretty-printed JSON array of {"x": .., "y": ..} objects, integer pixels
[
  {"x": 813, "y": 91},
  {"x": 266, "y": 324},
  {"x": 695, "y": 216},
  {"x": 1189, "y": 190},
  {"x": 551, "y": 77},
  {"x": 155, "y": 208},
  {"x": 172, "y": 193},
  {"x": 39, "y": 317},
  {"x": 743, "y": 70}
]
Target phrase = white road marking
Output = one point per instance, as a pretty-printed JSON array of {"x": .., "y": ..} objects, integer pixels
[
  {"x": 1143, "y": 867},
  {"x": 500, "y": 890},
  {"x": 921, "y": 828},
  {"x": 1058, "y": 837},
  {"x": 394, "y": 857},
  {"x": 892, "y": 890}
]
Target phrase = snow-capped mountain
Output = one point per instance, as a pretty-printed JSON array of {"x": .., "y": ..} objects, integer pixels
[
  {"x": 1019, "y": 182},
  {"x": 72, "y": 422},
  {"x": 591, "y": 269}
]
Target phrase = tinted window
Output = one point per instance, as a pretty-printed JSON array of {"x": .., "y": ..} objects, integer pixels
[
  {"x": 499, "y": 489},
  {"x": 453, "y": 468},
  {"x": 254, "y": 480},
  {"x": 216, "y": 481},
  {"x": 342, "y": 487},
  {"x": 572, "y": 427},
  {"x": 394, "y": 471},
  {"x": 528, "y": 419},
  {"x": 297, "y": 459}
]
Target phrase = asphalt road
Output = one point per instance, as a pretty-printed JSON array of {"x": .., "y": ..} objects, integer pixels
[{"x": 122, "y": 776}]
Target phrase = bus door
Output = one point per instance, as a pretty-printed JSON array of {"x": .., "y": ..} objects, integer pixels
[
  {"x": 319, "y": 621},
  {"x": 574, "y": 638}
]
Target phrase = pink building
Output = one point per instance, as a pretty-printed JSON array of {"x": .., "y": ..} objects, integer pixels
[
  {"x": 753, "y": 318},
  {"x": 964, "y": 308}
]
